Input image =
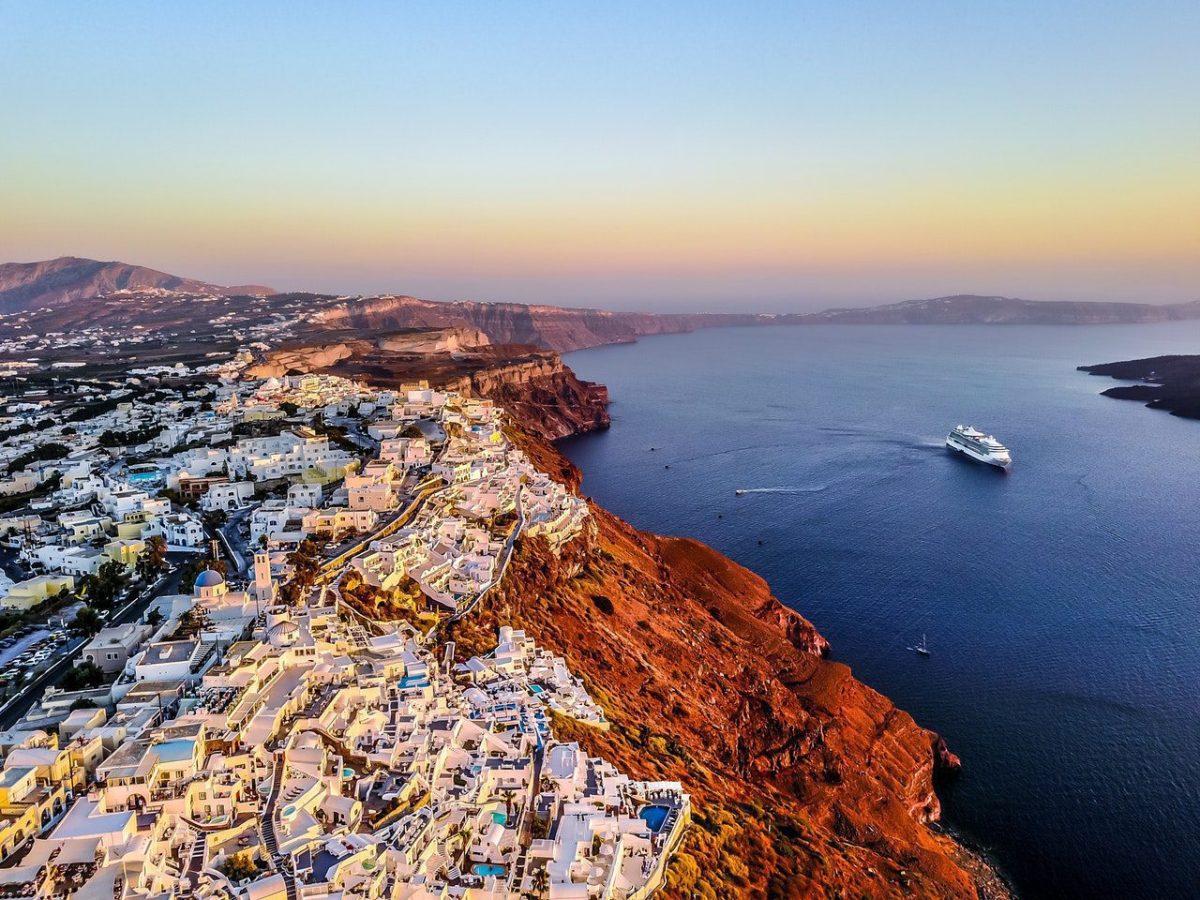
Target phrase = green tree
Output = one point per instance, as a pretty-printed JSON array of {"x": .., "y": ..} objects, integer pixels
[
  {"x": 102, "y": 589},
  {"x": 83, "y": 676},
  {"x": 45, "y": 451},
  {"x": 153, "y": 559},
  {"x": 216, "y": 518},
  {"x": 87, "y": 622}
]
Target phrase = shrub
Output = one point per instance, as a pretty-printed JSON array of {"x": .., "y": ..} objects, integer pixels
[
  {"x": 83, "y": 676},
  {"x": 239, "y": 866}
]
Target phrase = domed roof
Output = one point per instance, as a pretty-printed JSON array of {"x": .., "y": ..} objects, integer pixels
[
  {"x": 282, "y": 629},
  {"x": 209, "y": 578}
]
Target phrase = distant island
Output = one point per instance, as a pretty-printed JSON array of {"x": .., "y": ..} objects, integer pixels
[
  {"x": 1170, "y": 383},
  {"x": 971, "y": 309}
]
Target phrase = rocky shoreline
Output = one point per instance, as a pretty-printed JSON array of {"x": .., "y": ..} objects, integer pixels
[{"x": 1170, "y": 383}]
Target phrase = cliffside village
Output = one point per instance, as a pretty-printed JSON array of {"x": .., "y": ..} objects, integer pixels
[{"x": 220, "y": 652}]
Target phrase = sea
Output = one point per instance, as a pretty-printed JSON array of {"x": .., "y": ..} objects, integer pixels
[{"x": 1060, "y": 600}]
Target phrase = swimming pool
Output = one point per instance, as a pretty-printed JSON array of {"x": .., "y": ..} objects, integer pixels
[
  {"x": 499, "y": 818},
  {"x": 487, "y": 869},
  {"x": 654, "y": 816}
]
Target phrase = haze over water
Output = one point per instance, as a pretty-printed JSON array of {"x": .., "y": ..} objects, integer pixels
[{"x": 1060, "y": 600}]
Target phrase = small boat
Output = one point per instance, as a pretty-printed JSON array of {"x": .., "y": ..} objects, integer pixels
[
  {"x": 739, "y": 492},
  {"x": 922, "y": 649}
]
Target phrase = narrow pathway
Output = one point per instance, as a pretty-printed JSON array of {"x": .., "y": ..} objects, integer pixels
[{"x": 270, "y": 841}]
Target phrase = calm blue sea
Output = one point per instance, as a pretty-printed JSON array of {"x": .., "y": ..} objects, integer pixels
[{"x": 1061, "y": 600}]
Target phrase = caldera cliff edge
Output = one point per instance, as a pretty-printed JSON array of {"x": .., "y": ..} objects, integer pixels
[{"x": 805, "y": 781}]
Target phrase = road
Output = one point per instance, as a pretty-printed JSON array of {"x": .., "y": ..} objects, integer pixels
[
  {"x": 355, "y": 433},
  {"x": 236, "y": 547},
  {"x": 333, "y": 566},
  {"x": 12, "y": 565}
]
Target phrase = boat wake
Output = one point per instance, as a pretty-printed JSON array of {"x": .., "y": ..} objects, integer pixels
[
  {"x": 873, "y": 436},
  {"x": 815, "y": 489}
]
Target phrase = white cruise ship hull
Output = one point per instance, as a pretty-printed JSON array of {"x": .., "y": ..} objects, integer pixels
[{"x": 1000, "y": 462}]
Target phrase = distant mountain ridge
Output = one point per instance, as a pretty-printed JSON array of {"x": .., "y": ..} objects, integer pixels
[
  {"x": 973, "y": 309},
  {"x": 54, "y": 282},
  {"x": 57, "y": 285}
]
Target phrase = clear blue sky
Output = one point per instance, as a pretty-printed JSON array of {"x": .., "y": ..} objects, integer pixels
[{"x": 640, "y": 155}]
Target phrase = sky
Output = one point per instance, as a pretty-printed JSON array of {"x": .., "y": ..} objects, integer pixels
[{"x": 649, "y": 155}]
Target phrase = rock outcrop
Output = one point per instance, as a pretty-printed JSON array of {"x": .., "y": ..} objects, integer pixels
[
  {"x": 533, "y": 385},
  {"x": 805, "y": 781},
  {"x": 542, "y": 391},
  {"x": 1171, "y": 383}
]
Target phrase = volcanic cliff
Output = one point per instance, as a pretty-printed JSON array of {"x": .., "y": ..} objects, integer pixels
[
  {"x": 534, "y": 385},
  {"x": 806, "y": 782},
  {"x": 553, "y": 327}
]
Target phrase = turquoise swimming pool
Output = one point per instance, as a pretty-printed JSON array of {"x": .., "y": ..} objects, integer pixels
[
  {"x": 654, "y": 816},
  {"x": 487, "y": 869}
]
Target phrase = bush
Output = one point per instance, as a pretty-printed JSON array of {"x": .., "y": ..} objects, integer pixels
[
  {"x": 87, "y": 622},
  {"x": 239, "y": 866},
  {"x": 83, "y": 676},
  {"x": 46, "y": 451}
]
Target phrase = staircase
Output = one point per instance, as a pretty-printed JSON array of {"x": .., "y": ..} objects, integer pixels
[{"x": 270, "y": 841}]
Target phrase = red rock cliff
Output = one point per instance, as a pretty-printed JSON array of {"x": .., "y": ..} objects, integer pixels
[
  {"x": 542, "y": 393},
  {"x": 806, "y": 781},
  {"x": 535, "y": 386},
  {"x": 553, "y": 327}
]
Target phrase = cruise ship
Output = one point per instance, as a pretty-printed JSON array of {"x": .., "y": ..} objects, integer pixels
[{"x": 979, "y": 446}]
